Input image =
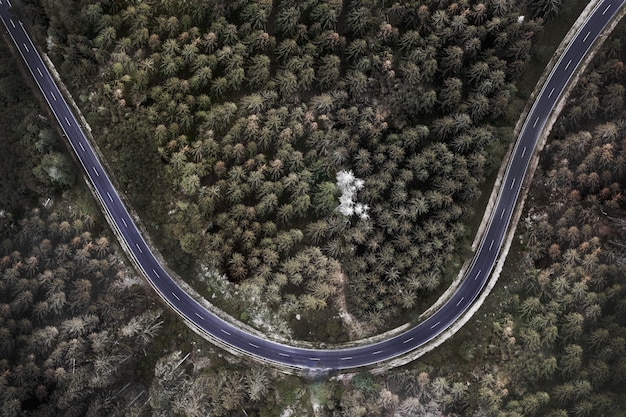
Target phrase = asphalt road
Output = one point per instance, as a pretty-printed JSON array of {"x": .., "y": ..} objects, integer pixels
[{"x": 316, "y": 359}]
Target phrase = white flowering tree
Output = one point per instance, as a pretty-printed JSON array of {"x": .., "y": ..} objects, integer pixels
[{"x": 348, "y": 184}]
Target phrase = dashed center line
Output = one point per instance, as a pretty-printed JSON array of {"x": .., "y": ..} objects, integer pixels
[
  {"x": 586, "y": 36},
  {"x": 568, "y": 64},
  {"x": 408, "y": 340},
  {"x": 67, "y": 121},
  {"x": 253, "y": 345},
  {"x": 26, "y": 47},
  {"x": 460, "y": 301},
  {"x": 53, "y": 96},
  {"x": 12, "y": 23},
  {"x": 225, "y": 332},
  {"x": 606, "y": 10},
  {"x": 124, "y": 221},
  {"x": 156, "y": 274},
  {"x": 283, "y": 354},
  {"x": 435, "y": 325},
  {"x": 478, "y": 274},
  {"x": 551, "y": 92},
  {"x": 82, "y": 148},
  {"x": 502, "y": 214},
  {"x": 139, "y": 248},
  {"x": 199, "y": 316},
  {"x": 39, "y": 71},
  {"x": 377, "y": 352},
  {"x": 346, "y": 358},
  {"x": 314, "y": 359},
  {"x": 175, "y": 296},
  {"x": 95, "y": 171},
  {"x": 536, "y": 121},
  {"x": 109, "y": 195},
  {"x": 524, "y": 151},
  {"x": 513, "y": 183},
  {"x": 491, "y": 245}
]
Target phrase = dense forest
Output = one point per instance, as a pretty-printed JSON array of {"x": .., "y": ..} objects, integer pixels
[
  {"x": 243, "y": 114},
  {"x": 81, "y": 335}
]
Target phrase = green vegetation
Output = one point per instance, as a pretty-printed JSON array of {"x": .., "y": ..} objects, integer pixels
[
  {"x": 242, "y": 114},
  {"x": 78, "y": 334}
]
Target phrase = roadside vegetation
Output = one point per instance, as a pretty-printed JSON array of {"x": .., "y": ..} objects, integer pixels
[
  {"x": 81, "y": 335},
  {"x": 228, "y": 122}
]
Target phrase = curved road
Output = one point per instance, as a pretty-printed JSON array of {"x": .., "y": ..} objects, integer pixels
[{"x": 302, "y": 358}]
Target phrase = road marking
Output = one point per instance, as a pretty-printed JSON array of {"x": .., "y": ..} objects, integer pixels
[
  {"x": 283, "y": 354},
  {"x": 551, "y": 91},
  {"x": 94, "y": 170},
  {"x": 198, "y": 315},
  {"x": 39, "y": 71},
  {"x": 174, "y": 294},
  {"x": 586, "y": 36},
  {"x": 408, "y": 340},
  {"x": 377, "y": 352},
  {"x": 67, "y": 121},
  {"x": 26, "y": 47},
  {"x": 225, "y": 332},
  {"x": 606, "y": 10},
  {"x": 109, "y": 195},
  {"x": 513, "y": 183},
  {"x": 568, "y": 64},
  {"x": 491, "y": 245},
  {"x": 435, "y": 325},
  {"x": 53, "y": 96},
  {"x": 156, "y": 273},
  {"x": 536, "y": 120},
  {"x": 347, "y": 358},
  {"x": 137, "y": 244},
  {"x": 124, "y": 221},
  {"x": 253, "y": 345},
  {"x": 12, "y": 24},
  {"x": 81, "y": 146},
  {"x": 502, "y": 214},
  {"x": 462, "y": 298},
  {"x": 524, "y": 151},
  {"x": 314, "y": 359}
]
